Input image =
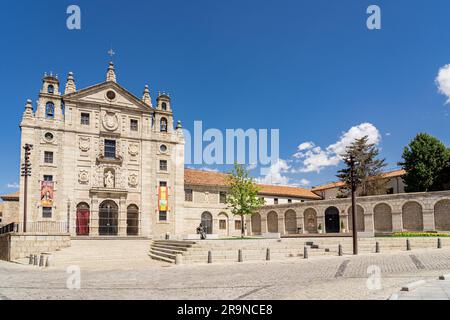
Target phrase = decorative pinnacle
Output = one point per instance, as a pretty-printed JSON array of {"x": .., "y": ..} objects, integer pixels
[
  {"x": 70, "y": 84},
  {"x": 111, "y": 75},
  {"x": 146, "y": 97}
]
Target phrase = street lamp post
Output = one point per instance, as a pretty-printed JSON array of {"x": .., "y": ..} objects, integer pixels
[
  {"x": 353, "y": 183},
  {"x": 26, "y": 172},
  {"x": 68, "y": 216}
]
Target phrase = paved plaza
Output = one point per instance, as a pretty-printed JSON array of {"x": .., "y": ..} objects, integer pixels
[{"x": 318, "y": 278}]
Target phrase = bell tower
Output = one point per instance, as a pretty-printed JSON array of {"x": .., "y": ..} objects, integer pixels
[{"x": 50, "y": 101}]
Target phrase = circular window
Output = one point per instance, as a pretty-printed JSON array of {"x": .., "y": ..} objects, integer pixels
[
  {"x": 49, "y": 136},
  {"x": 163, "y": 148},
  {"x": 111, "y": 95}
]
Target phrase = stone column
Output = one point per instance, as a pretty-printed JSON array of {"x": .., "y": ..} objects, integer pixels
[
  {"x": 122, "y": 217},
  {"x": 282, "y": 224},
  {"x": 369, "y": 226},
  {"x": 93, "y": 225},
  {"x": 397, "y": 221},
  {"x": 264, "y": 223},
  {"x": 428, "y": 220},
  {"x": 301, "y": 223}
]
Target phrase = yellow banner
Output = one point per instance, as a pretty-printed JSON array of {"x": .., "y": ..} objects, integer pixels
[{"x": 163, "y": 199}]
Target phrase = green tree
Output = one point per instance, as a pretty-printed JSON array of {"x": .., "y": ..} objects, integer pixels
[
  {"x": 243, "y": 198},
  {"x": 368, "y": 169},
  {"x": 426, "y": 161}
]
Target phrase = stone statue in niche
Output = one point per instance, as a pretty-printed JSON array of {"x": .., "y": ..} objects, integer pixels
[{"x": 109, "y": 179}]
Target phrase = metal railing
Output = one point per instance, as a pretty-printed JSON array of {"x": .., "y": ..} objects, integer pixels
[
  {"x": 47, "y": 227},
  {"x": 10, "y": 228}
]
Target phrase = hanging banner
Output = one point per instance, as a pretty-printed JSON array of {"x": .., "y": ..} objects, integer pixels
[
  {"x": 47, "y": 188},
  {"x": 163, "y": 201}
]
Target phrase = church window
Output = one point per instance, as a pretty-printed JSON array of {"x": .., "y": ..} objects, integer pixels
[
  {"x": 163, "y": 148},
  {"x": 48, "y": 157},
  {"x": 289, "y": 201},
  {"x": 110, "y": 149},
  {"x": 48, "y": 178},
  {"x": 223, "y": 197},
  {"x": 50, "y": 110},
  {"x": 163, "y": 125},
  {"x": 85, "y": 119},
  {"x": 188, "y": 195},
  {"x": 51, "y": 89},
  {"x": 238, "y": 225},
  {"x": 275, "y": 201},
  {"x": 46, "y": 212},
  {"x": 134, "y": 125},
  {"x": 111, "y": 95},
  {"x": 223, "y": 224},
  {"x": 163, "y": 165},
  {"x": 164, "y": 106},
  {"x": 163, "y": 216},
  {"x": 49, "y": 136}
]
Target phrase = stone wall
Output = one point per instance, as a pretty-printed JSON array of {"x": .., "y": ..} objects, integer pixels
[
  {"x": 426, "y": 212},
  {"x": 15, "y": 246}
]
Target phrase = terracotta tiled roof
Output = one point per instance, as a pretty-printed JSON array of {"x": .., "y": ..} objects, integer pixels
[
  {"x": 11, "y": 196},
  {"x": 208, "y": 178},
  {"x": 390, "y": 174}
]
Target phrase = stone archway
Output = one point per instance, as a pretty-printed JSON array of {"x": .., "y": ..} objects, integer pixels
[
  {"x": 310, "y": 217},
  {"x": 412, "y": 216},
  {"x": 207, "y": 222},
  {"x": 332, "y": 220},
  {"x": 290, "y": 219},
  {"x": 256, "y": 224},
  {"x": 108, "y": 214},
  {"x": 442, "y": 215},
  {"x": 272, "y": 222},
  {"x": 360, "y": 225},
  {"x": 382, "y": 216}
]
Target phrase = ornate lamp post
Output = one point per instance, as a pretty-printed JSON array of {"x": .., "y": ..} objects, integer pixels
[
  {"x": 26, "y": 172},
  {"x": 354, "y": 185}
]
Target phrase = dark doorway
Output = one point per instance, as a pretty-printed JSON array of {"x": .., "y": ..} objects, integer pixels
[
  {"x": 83, "y": 216},
  {"x": 207, "y": 222},
  {"x": 108, "y": 219},
  {"x": 132, "y": 220},
  {"x": 332, "y": 220}
]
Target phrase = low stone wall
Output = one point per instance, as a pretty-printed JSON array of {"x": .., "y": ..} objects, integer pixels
[{"x": 15, "y": 246}]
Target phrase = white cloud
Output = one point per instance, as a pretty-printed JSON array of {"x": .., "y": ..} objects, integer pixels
[
  {"x": 306, "y": 146},
  {"x": 443, "y": 81},
  {"x": 316, "y": 159},
  {"x": 305, "y": 183},
  {"x": 274, "y": 174},
  {"x": 14, "y": 185}
]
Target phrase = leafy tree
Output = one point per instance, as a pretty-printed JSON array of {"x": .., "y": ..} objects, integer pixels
[
  {"x": 426, "y": 161},
  {"x": 243, "y": 198},
  {"x": 368, "y": 169}
]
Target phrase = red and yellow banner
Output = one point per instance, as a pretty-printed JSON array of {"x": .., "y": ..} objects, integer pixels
[
  {"x": 163, "y": 199},
  {"x": 47, "y": 193}
]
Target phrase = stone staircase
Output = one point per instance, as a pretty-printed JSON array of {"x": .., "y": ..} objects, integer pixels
[{"x": 193, "y": 252}]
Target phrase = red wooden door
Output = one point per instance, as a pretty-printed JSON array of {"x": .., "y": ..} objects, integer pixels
[{"x": 83, "y": 222}]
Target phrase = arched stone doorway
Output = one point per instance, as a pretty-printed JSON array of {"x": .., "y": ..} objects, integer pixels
[
  {"x": 382, "y": 215},
  {"x": 310, "y": 217},
  {"x": 332, "y": 220},
  {"x": 108, "y": 219},
  {"x": 272, "y": 222},
  {"x": 83, "y": 217},
  {"x": 132, "y": 220},
  {"x": 360, "y": 225},
  {"x": 290, "y": 220},
  {"x": 256, "y": 224},
  {"x": 412, "y": 216},
  {"x": 442, "y": 215},
  {"x": 207, "y": 222},
  {"x": 223, "y": 224}
]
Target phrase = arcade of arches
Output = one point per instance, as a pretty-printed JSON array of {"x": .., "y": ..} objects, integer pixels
[{"x": 375, "y": 215}]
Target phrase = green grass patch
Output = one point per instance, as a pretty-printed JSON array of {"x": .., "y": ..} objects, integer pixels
[
  {"x": 420, "y": 235},
  {"x": 238, "y": 238}
]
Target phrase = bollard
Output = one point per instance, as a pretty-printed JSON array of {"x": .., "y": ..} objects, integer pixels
[
  {"x": 41, "y": 260},
  {"x": 48, "y": 262},
  {"x": 31, "y": 261},
  {"x": 439, "y": 243},
  {"x": 209, "y": 257},
  {"x": 268, "y": 254},
  {"x": 408, "y": 245},
  {"x": 340, "y": 251},
  {"x": 179, "y": 259},
  {"x": 377, "y": 247},
  {"x": 305, "y": 253},
  {"x": 240, "y": 257},
  {"x": 35, "y": 260}
]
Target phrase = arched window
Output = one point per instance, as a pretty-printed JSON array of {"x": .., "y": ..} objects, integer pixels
[
  {"x": 50, "y": 110},
  {"x": 163, "y": 125},
  {"x": 51, "y": 89},
  {"x": 164, "y": 106}
]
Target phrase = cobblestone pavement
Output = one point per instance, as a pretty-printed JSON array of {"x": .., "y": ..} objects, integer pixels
[
  {"x": 431, "y": 290},
  {"x": 318, "y": 278}
]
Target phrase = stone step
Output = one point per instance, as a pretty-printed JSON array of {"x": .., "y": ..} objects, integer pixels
[
  {"x": 178, "y": 248},
  {"x": 163, "y": 254},
  {"x": 168, "y": 250},
  {"x": 160, "y": 258},
  {"x": 175, "y": 242}
]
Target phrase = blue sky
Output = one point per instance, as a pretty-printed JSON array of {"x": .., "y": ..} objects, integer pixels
[{"x": 309, "y": 68}]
